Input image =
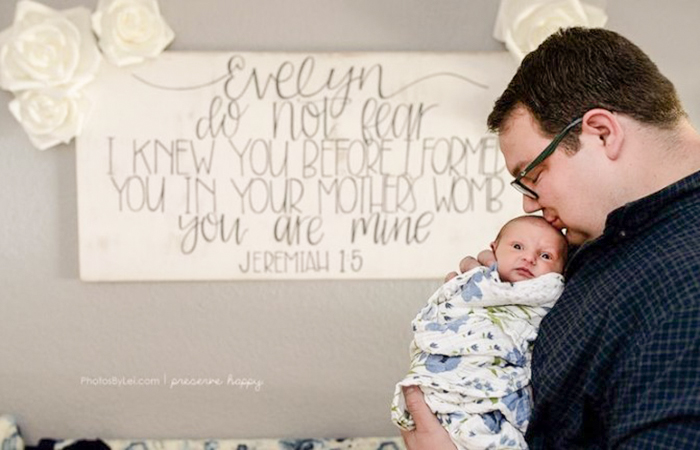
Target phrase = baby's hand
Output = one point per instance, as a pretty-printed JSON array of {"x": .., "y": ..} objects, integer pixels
[{"x": 484, "y": 258}]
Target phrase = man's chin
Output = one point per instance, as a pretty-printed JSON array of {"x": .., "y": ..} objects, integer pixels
[{"x": 574, "y": 238}]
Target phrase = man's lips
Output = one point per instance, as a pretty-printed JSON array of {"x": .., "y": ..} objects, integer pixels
[
  {"x": 553, "y": 219},
  {"x": 556, "y": 223}
]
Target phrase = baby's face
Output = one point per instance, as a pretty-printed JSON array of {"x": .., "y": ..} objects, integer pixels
[{"x": 528, "y": 249}]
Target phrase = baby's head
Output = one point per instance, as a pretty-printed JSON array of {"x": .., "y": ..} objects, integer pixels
[{"x": 527, "y": 247}]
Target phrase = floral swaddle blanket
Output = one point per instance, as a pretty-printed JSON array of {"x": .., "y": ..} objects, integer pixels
[{"x": 471, "y": 356}]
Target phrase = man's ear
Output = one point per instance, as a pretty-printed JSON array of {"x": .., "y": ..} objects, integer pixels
[{"x": 606, "y": 128}]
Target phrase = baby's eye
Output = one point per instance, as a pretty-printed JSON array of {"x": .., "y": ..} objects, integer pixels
[
  {"x": 546, "y": 256},
  {"x": 517, "y": 246}
]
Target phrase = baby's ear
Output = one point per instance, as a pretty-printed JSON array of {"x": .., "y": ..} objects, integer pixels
[{"x": 493, "y": 246}]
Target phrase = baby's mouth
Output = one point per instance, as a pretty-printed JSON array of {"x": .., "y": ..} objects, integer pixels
[{"x": 524, "y": 272}]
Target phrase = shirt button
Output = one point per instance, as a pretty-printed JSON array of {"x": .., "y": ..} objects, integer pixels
[{"x": 623, "y": 234}]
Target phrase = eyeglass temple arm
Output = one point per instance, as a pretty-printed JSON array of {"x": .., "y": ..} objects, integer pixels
[{"x": 551, "y": 147}]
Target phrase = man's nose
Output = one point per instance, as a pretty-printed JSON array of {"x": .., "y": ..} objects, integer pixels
[{"x": 530, "y": 205}]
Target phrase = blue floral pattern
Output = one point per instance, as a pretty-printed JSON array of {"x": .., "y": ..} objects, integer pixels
[
  {"x": 387, "y": 443},
  {"x": 493, "y": 421},
  {"x": 442, "y": 363},
  {"x": 471, "y": 290},
  {"x": 471, "y": 354},
  {"x": 452, "y": 326},
  {"x": 520, "y": 403},
  {"x": 516, "y": 357}
]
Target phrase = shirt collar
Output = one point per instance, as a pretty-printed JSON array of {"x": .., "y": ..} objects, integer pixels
[{"x": 640, "y": 214}]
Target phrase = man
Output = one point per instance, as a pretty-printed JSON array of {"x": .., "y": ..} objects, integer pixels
[{"x": 617, "y": 360}]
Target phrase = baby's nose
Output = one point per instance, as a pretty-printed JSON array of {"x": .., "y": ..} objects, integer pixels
[{"x": 531, "y": 258}]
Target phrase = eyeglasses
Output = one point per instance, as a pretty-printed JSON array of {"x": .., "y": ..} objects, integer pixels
[{"x": 518, "y": 183}]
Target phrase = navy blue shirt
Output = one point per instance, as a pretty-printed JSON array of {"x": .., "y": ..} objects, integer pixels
[{"x": 617, "y": 360}]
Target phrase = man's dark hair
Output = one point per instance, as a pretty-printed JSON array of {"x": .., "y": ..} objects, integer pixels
[{"x": 578, "y": 69}]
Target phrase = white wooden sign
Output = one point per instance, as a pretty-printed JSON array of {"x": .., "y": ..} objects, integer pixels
[{"x": 204, "y": 166}]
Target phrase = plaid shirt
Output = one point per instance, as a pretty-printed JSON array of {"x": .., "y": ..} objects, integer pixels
[{"x": 617, "y": 360}]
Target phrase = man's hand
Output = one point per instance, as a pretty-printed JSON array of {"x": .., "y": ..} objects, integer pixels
[
  {"x": 485, "y": 258},
  {"x": 428, "y": 434}
]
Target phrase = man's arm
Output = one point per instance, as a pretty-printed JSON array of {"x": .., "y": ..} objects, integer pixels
[{"x": 428, "y": 434}]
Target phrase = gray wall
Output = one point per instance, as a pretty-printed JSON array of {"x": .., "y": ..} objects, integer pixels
[{"x": 328, "y": 353}]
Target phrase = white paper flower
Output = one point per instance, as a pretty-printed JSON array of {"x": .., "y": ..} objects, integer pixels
[
  {"x": 524, "y": 24},
  {"x": 47, "y": 48},
  {"x": 48, "y": 117},
  {"x": 130, "y": 30}
]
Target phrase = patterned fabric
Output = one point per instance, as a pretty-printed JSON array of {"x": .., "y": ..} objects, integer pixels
[
  {"x": 263, "y": 444},
  {"x": 389, "y": 443},
  {"x": 617, "y": 361},
  {"x": 471, "y": 356},
  {"x": 10, "y": 438}
]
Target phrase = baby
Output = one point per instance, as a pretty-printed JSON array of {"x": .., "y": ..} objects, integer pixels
[{"x": 472, "y": 341}]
